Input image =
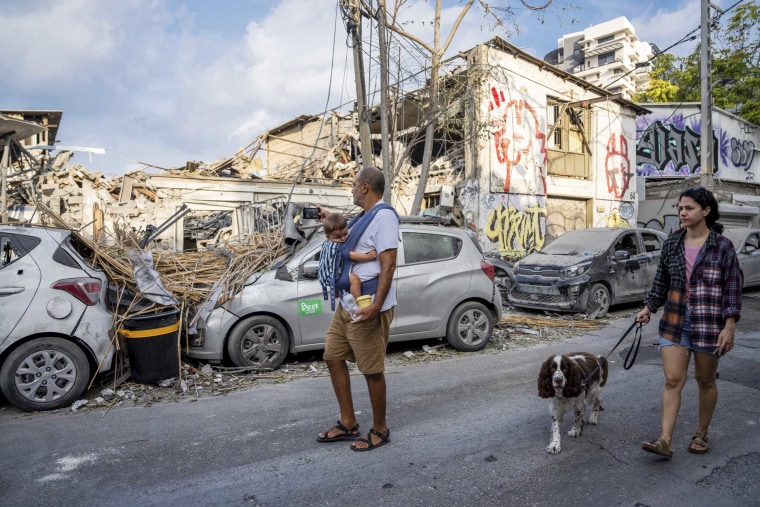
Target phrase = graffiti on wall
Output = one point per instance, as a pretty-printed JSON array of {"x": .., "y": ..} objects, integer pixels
[
  {"x": 669, "y": 149},
  {"x": 520, "y": 146},
  {"x": 742, "y": 154},
  {"x": 469, "y": 198},
  {"x": 517, "y": 229},
  {"x": 621, "y": 217},
  {"x": 667, "y": 224},
  {"x": 617, "y": 166}
]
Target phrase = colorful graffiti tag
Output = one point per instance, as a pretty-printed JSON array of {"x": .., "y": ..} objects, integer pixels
[
  {"x": 516, "y": 231},
  {"x": 664, "y": 148},
  {"x": 519, "y": 144},
  {"x": 617, "y": 167}
]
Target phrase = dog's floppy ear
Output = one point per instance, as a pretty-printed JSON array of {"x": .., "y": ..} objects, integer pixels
[
  {"x": 574, "y": 383},
  {"x": 545, "y": 386}
]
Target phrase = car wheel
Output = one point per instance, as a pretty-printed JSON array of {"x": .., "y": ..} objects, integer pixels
[
  {"x": 44, "y": 374},
  {"x": 598, "y": 301},
  {"x": 470, "y": 327},
  {"x": 258, "y": 341}
]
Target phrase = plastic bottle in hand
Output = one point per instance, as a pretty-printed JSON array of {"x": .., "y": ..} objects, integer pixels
[{"x": 349, "y": 304}]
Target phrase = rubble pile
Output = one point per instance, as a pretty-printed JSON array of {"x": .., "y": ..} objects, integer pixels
[{"x": 197, "y": 381}]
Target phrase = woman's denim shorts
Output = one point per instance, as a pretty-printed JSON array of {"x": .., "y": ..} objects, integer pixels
[{"x": 686, "y": 339}]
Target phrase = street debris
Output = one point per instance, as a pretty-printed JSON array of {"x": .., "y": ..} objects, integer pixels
[{"x": 515, "y": 331}]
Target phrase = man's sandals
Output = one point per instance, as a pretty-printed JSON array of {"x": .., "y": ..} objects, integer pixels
[
  {"x": 345, "y": 433},
  {"x": 699, "y": 443},
  {"x": 384, "y": 439}
]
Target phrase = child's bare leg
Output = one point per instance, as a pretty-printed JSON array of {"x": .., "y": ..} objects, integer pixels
[{"x": 355, "y": 285}]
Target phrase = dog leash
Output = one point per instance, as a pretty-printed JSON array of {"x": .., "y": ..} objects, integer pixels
[{"x": 634, "y": 349}]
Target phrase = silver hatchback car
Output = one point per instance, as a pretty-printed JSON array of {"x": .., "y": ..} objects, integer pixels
[
  {"x": 445, "y": 288},
  {"x": 54, "y": 327},
  {"x": 747, "y": 244}
]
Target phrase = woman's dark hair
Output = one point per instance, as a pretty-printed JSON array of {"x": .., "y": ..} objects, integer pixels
[{"x": 706, "y": 199}]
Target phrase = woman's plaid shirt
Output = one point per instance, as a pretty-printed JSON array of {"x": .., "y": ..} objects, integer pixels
[{"x": 715, "y": 291}]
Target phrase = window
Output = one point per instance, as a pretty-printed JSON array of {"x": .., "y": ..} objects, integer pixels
[
  {"x": 652, "y": 242},
  {"x": 753, "y": 240},
  {"x": 568, "y": 148},
  {"x": 10, "y": 252},
  {"x": 608, "y": 38},
  {"x": 629, "y": 244},
  {"x": 432, "y": 200},
  {"x": 424, "y": 247},
  {"x": 617, "y": 71},
  {"x": 606, "y": 58}
]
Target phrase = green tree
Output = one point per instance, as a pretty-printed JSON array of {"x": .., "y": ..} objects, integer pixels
[{"x": 735, "y": 68}]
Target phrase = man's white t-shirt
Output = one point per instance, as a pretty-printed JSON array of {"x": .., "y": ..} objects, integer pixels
[{"x": 381, "y": 234}]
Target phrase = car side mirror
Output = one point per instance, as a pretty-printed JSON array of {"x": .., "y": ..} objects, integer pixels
[
  {"x": 309, "y": 269},
  {"x": 621, "y": 255},
  {"x": 749, "y": 248}
]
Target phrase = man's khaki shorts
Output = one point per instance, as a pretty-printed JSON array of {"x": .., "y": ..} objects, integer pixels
[{"x": 363, "y": 343}]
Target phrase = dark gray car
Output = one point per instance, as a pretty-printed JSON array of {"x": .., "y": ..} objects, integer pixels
[
  {"x": 445, "y": 288},
  {"x": 588, "y": 270}
]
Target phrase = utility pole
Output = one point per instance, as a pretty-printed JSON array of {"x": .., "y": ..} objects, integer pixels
[
  {"x": 353, "y": 15},
  {"x": 706, "y": 130},
  {"x": 383, "y": 47}
]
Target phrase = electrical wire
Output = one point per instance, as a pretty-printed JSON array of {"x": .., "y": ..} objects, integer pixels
[{"x": 324, "y": 115}]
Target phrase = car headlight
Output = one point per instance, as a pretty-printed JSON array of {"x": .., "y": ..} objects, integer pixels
[{"x": 576, "y": 270}]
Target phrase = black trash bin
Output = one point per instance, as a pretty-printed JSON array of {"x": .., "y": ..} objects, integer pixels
[{"x": 153, "y": 345}]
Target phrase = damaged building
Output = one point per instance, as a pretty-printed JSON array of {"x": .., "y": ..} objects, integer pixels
[{"x": 522, "y": 153}]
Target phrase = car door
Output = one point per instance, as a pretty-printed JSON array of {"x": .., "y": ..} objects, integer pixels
[
  {"x": 626, "y": 274},
  {"x": 19, "y": 281},
  {"x": 314, "y": 313},
  {"x": 433, "y": 271},
  {"x": 652, "y": 243}
]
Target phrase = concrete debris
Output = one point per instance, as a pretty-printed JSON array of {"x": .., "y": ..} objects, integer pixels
[
  {"x": 108, "y": 394},
  {"x": 78, "y": 404}
]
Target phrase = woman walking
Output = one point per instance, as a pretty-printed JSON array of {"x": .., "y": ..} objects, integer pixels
[{"x": 698, "y": 283}]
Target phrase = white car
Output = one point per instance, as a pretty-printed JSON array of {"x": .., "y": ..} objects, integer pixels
[
  {"x": 55, "y": 329},
  {"x": 747, "y": 244},
  {"x": 445, "y": 288}
]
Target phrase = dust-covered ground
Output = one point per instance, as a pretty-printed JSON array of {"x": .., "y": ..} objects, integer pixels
[{"x": 517, "y": 329}]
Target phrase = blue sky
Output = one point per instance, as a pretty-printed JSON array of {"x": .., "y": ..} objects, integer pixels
[{"x": 162, "y": 82}]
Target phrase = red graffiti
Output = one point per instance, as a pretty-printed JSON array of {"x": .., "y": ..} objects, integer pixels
[
  {"x": 516, "y": 130},
  {"x": 617, "y": 167}
]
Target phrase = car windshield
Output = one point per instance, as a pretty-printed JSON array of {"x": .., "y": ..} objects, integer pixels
[{"x": 580, "y": 241}]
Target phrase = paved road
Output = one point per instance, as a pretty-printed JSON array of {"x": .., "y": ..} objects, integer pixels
[{"x": 468, "y": 431}]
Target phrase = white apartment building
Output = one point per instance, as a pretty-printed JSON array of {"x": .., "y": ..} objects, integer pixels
[{"x": 608, "y": 55}]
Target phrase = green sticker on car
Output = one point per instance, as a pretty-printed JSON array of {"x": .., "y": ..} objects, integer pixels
[{"x": 310, "y": 307}]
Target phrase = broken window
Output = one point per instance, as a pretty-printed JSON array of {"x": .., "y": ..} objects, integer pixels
[{"x": 568, "y": 129}]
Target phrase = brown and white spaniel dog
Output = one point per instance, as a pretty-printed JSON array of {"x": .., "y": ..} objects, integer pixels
[{"x": 562, "y": 379}]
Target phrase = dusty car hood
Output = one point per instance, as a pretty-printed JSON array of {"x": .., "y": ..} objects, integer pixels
[{"x": 552, "y": 261}]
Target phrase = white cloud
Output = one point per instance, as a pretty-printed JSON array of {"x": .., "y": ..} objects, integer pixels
[{"x": 166, "y": 81}]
